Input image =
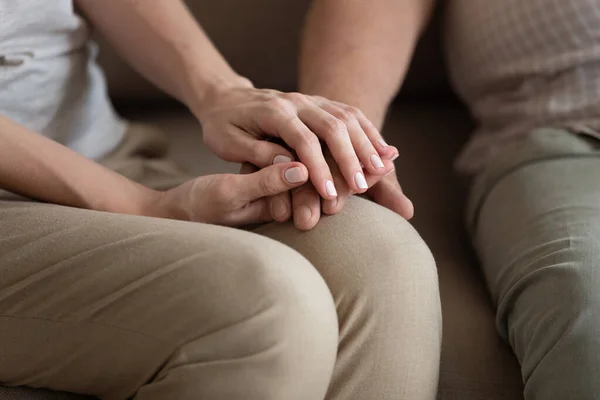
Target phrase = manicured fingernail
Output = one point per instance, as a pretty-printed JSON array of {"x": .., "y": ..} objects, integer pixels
[
  {"x": 392, "y": 171},
  {"x": 279, "y": 209},
  {"x": 360, "y": 180},
  {"x": 395, "y": 157},
  {"x": 376, "y": 161},
  {"x": 281, "y": 160},
  {"x": 294, "y": 175},
  {"x": 383, "y": 143},
  {"x": 330, "y": 188},
  {"x": 303, "y": 213}
]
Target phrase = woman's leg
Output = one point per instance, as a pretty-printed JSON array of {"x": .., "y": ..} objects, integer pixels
[
  {"x": 118, "y": 306},
  {"x": 384, "y": 282},
  {"x": 535, "y": 217}
]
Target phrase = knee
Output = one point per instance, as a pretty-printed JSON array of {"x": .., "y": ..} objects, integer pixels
[
  {"x": 270, "y": 301},
  {"x": 551, "y": 311},
  {"x": 385, "y": 259}
]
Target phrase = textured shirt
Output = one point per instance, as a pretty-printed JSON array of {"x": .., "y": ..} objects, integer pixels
[
  {"x": 522, "y": 65},
  {"x": 49, "y": 81}
]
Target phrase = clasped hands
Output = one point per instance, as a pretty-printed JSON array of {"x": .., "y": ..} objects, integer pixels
[{"x": 333, "y": 152}]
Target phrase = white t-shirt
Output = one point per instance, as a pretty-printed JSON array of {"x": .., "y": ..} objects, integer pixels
[
  {"x": 522, "y": 65},
  {"x": 49, "y": 81}
]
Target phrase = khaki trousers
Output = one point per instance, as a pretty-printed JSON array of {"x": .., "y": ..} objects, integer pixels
[
  {"x": 535, "y": 219},
  {"x": 121, "y": 306}
]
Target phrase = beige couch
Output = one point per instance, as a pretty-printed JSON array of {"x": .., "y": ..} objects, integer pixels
[{"x": 427, "y": 124}]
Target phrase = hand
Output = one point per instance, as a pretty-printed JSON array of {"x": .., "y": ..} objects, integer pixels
[
  {"x": 307, "y": 207},
  {"x": 236, "y": 120},
  {"x": 388, "y": 193},
  {"x": 304, "y": 203},
  {"x": 229, "y": 199}
]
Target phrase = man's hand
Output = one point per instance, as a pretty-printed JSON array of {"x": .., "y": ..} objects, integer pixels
[
  {"x": 388, "y": 194},
  {"x": 306, "y": 206}
]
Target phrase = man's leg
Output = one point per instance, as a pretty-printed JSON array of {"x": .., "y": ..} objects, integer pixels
[
  {"x": 536, "y": 226},
  {"x": 384, "y": 282},
  {"x": 118, "y": 306}
]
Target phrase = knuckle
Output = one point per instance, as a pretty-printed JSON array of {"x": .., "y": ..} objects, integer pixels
[
  {"x": 334, "y": 127},
  {"x": 346, "y": 117},
  {"x": 356, "y": 112},
  {"x": 309, "y": 139},
  {"x": 258, "y": 152},
  {"x": 222, "y": 187},
  {"x": 295, "y": 97},
  {"x": 278, "y": 104},
  {"x": 268, "y": 184}
]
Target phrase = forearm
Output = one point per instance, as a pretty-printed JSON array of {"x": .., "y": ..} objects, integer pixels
[
  {"x": 358, "y": 51},
  {"x": 35, "y": 166},
  {"x": 162, "y": 41}
]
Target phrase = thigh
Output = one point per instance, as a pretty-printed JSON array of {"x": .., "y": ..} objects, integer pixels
[
  {"x": 537, "y": 233},
  {"x": 99, "y": 303},
  {"x": 384, "y": 282},
  {"x": 541, "y": 220}
]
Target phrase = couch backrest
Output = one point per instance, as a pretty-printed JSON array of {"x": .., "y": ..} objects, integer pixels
[{"x": 260, "y": 39}]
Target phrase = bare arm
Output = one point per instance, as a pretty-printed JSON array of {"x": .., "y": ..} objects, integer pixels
[
  {"x": 162, "y": 40},
  {"x": 358, "y": 51},
  {"x": 35, "y": 166}
]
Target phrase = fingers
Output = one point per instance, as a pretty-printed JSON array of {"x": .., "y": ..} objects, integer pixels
[
  {"x": 337, "y": 137},
  {"x": 307, "y": 207},
  {"x": 270, "y": 181},
  {"x": 255, "y": 212},
  {"x": 383, "y": 149},
  {"x": 365, "y": 150},
  {"x": 262, "y": 153},
  {"x": 280, "y": 206},
  {"x": 388, "y": 193},
  {"x": 308, "y": 148},
  {"x": 335, "y": 206}
]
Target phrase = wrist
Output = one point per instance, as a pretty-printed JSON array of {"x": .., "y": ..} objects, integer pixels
[
  {"x": 373, "y": 104},
  {"x": 201, "y": 91},
  {"x": 139, "y": 200},
  {"x": 169, "y": 204}
]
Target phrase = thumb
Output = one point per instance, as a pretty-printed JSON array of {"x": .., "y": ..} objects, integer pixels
[{"x": 272, "y": 180}]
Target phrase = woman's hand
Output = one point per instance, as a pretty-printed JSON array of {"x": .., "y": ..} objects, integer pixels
[
  {"x": 236, "y": 120},
  {"x": 229, "y": 199},
  {"x": 305, "y": 206}
]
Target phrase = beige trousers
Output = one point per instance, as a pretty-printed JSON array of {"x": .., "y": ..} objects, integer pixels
[
  {"x": 121, "y": 306},
  {"x": 535, "y": 220}
]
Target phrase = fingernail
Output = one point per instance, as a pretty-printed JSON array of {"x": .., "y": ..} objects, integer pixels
[
  {"x": 360, "y": 180},
  {"x": 383, "y": 143},
  {"x": 395, "y": 157},
  {"x": 281, "y": 160},
  {"x": 376, "y": 161},
  {"x": 279, "y": 209},
  {"x": 393, "y": 170},
  {"x": 330, "y": 188},
  {"x": 294, "y": 175},
  {"x": 303, "y": 213}
]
